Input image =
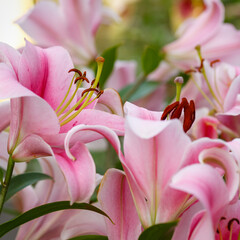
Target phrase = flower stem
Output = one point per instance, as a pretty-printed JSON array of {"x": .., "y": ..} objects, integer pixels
[{"x": 6, "y": 181}]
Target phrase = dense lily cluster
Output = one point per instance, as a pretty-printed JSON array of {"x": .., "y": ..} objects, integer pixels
[{"x": 181, "y": 163}]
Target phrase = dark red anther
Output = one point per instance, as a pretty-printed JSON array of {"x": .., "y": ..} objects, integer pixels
[
  {"x": 190, "y": 71},
  {"x": 100, "y": 93},
  {"x": 189, "y": 116},
  {"x": 169, "y": 109},
  {"x": 175, "y": 111},
  {"x": 222, "y": 218},
  {"x": 192, "y": 108},
  {"x": 89, "y": 90},
  {"x": 76, "y": 71},
  {"x": 178, "y": 111},
  {"x": 201, "y": 66},
  {"x": 214, "y": 61},
  {"x": 231, "y": 222},
  {"x": 93, "y": 81},
  {"x": 81, "y": 78}
]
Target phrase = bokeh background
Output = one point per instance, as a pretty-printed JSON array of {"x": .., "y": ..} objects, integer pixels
[{"x": 144, "y": 22}]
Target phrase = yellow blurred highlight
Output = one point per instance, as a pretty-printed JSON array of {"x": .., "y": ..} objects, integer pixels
[
  {"x": 119, "y": 6},
  {"x": 10, "y": 11},
  {"x": 184, "y": 9}
]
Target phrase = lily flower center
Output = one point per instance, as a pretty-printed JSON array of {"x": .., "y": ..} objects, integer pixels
[
  {"x": 229, "y": 227},
  {"x": 86, "y": 97},
  {"x": 175, "y": 109},
  {"x": 216, "y": 104}
]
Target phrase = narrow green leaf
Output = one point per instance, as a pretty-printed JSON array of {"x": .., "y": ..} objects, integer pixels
[
  {"x": 90, "y": 237},
  {"x": 150, "y": 60},
  {"x": 145, "y": 89},
  {"x": 43, "y": 210},
  {"x": 23, "y": 180},
  {"x": 163, "y": 231},
  {"x": 1, "y": 175},
  {"x": 110, "y": 56}
]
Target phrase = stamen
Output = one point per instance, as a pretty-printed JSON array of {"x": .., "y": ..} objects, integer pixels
[
  {"x": 214, "y": 61},
  {"x": 189, "y": 116},
  {"x": 219, "y": 229},
  {"x": 64, "y": 99},
  {"x": 89, "y": 90},
  {"x": 70, "y": 100},
  {"x": 200, "y": 68},
  {"x": 169, "y": 109},
  {"x": 175, "y": 109},
  {"x": 93, "y": 81},
  {"x": 76, "y": 71},
  {"x": 203, "y": 71},
  {"x": 230, "y": 223},
  {"x": 178, "y": 111},
  {"x": 100, "y": 93},
  {"x": 190, "y": 71},
  {"x": 230, "y": 226},
  {"x": 81, "y": 78},
  {"x": 85, "y": 99}
]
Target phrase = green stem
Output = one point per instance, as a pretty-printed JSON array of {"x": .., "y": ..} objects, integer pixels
[
  {"x": 6, "y": 181},
  {"x": 142, "y": 78}
]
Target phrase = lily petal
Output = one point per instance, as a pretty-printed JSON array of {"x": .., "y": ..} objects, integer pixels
[
  {"x": 80, "y": 173},
  {"x": 27, "y": 118},
  {"x": 31, "y": 147},
  {"x": 220, "y": 158},
  {"x": 206, "y": 184},
  {"x": 116, "y": 200}
]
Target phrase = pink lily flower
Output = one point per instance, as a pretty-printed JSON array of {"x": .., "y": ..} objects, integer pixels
[
  {"x": 146, "y": 187},
  {"x": 217, "y": 39},
  {"x": 214, "y": 194},
  {"x": 39, "y": 79},
  {"x": 231, "y": 114},
  {"x": 229, "y": 226},
  {"x": 79, "y": 21},
  {"x": 115, "y": 199},
  {"x": 30, "y": 197},
  {"x": 51, "y": 225},
  {"x": 205, "y": 184},
  {"x": 146, "y": 151},
  {"x": 221, "y": 98}
]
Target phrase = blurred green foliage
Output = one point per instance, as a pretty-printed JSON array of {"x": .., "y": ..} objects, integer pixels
[{"x": 149, "y": 23}]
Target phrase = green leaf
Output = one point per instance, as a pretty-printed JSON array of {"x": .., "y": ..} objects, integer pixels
[
  {"x": 110, "y": 56},
  {"x": 33, "y": 166},
  {"x": 163, "y": 231},
  {"x": 150, "y": 60},
  {"x": 43, "y": 210},
  {"x": 1, "y": 175},
  {"x": 145, "y": 89},
  {"x": 90, "y": 237},
  {"x": 23, "y": 180}
]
